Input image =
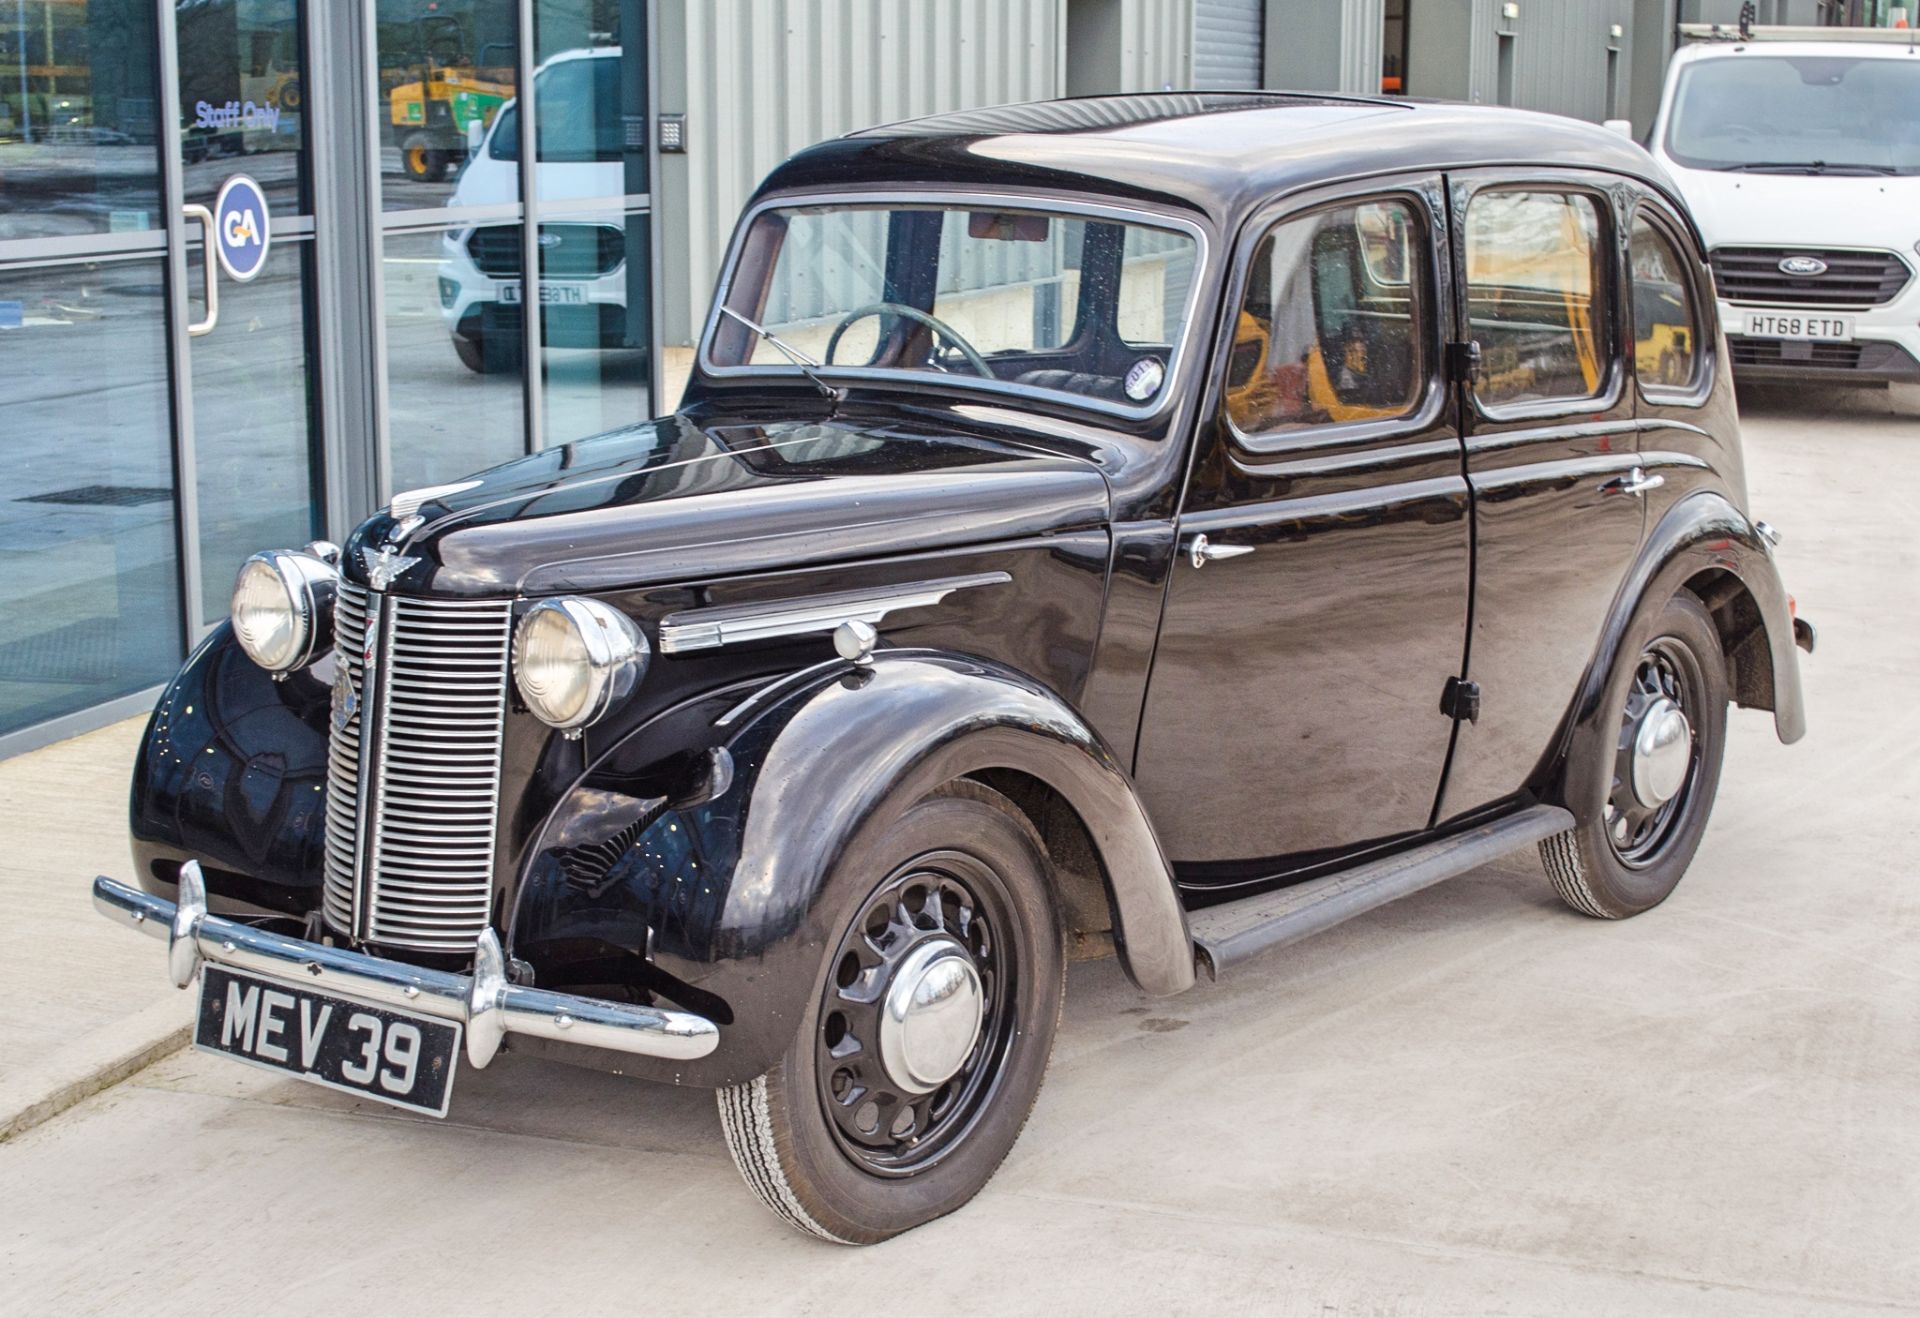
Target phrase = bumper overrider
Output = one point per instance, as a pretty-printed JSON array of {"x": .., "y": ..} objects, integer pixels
[{"x": 485, "y": 1003}]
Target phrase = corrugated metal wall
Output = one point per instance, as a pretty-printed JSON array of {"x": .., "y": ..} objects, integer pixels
[
  {"x": 1560, "y": 54},
  {"x": 1156, "y": 45},
  {"x": 1227, "y": 44},
  {"x": 1362, "y": 45},
  {"x": 763, "y": 78}
]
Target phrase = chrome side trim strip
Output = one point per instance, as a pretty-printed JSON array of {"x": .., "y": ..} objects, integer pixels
[
  {"x": 733, "y": 624},
  {"x": 485, "y": 1002}
]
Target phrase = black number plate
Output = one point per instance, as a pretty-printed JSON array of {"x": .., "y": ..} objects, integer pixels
[{"x": 376, "y": 1052}]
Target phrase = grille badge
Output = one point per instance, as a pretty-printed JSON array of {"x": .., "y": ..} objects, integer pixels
[
  {"x": 346, "y": 701},
  {"x": 1804, "y": 266}
]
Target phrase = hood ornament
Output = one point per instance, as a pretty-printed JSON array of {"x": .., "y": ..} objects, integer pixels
[{"x": 385, "y": 566}]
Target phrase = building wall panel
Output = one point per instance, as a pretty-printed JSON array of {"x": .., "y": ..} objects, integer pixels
[{"x": 764, "y": 78}]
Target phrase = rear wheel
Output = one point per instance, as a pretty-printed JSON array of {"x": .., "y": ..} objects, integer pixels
[
  {"x": 1643, "y": 797},
  {"x": 922, "y": 1051}
]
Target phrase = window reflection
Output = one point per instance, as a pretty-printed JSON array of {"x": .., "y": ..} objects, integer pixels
[
  {"x": 1666, "y": 346},
  {"x": 242, "y": 99},
  {"x": 1533, "y": 295},
  {"x": 77, "y": 118},
  {"x": 89, "y": 602},
  {"x": 591, "y": 98},
  {"x": 595, "y": 322},
  {"x": 446, "y": 69},
  {"x": 251, "y": 405},
  {"x": 1333, "y": 324},
  {"x": 454, "y": 351}
]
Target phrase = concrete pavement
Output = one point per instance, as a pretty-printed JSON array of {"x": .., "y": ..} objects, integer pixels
[
  {"x": 86, "y": 1004},
  {"x": 1471, "y": 1102}
]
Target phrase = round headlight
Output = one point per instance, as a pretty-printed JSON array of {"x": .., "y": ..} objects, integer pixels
[
  {"x": 573, "y": 658},
  {"x": 283, "y": 608}
]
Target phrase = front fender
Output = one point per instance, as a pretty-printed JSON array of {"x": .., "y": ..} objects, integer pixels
[
  {"x": 232, "y": 772},
  {"x": 710, "y": 877}
]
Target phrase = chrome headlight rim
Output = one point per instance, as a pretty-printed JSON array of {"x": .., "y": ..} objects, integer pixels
[
  {"x": 610, "y": 646},
  {"x": 307, "y": 585}
]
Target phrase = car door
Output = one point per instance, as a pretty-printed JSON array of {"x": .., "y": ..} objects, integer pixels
[
  {"x": 1318, "y": 603},
  {"x": 1552, "y": 453}
]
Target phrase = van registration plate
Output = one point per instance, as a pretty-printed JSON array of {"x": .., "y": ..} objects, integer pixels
[{"x": 1798, "y": 325}]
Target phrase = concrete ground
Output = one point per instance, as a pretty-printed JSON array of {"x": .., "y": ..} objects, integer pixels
[
  {"x": 86, "y": 1005},
  {"x": 1472, "y": 1102}
]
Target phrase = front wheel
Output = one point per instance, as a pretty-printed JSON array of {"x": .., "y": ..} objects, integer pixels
[
  {"x": 1642, "y": 796},
  {"x": 921, "y": 1052}
]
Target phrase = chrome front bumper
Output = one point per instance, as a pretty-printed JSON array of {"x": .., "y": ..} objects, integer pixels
[{"x": 485, "y": 1003}]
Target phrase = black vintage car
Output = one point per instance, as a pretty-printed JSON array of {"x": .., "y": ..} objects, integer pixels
[{"x": 1155, "y": 526}]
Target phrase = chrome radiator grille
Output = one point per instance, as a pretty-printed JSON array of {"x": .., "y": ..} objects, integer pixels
[{"x": 423, "y": 751}]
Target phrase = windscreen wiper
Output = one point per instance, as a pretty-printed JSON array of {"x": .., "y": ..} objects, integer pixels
[
  {"x": 793, "y": 354},
  {"x": 1805, "y": 167}
]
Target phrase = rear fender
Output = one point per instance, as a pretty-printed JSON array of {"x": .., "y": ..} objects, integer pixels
[
  {"x": 1706, "y": 542},
  {"x": 710, "y": 877}
]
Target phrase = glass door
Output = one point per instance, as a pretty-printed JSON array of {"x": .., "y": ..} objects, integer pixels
[{"x": 247, "y": 395}]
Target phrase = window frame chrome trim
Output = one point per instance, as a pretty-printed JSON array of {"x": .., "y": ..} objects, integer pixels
[
  {"x": 1178, "y": 355},
  {"x": 1425, "y": 191},
  {"x": 1464, "y": 186},
  {"x": 1703, "y": 291}
]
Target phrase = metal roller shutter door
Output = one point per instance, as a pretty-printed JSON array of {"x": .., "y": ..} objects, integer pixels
[{"x": 1227, "y": 44}]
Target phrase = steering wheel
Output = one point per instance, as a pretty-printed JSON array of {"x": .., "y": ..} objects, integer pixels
[{"x": 940, "y": 328}]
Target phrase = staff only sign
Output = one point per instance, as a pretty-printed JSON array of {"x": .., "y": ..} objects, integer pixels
[{"x": 241, "y": 228}]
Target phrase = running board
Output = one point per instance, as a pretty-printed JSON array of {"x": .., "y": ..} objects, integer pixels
[{"x": 1233, "y": 932}]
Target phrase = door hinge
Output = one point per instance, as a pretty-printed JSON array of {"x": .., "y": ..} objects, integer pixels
[
  {"x": 1460, "y": 699},
  {"x": 1463, "y": 361}
]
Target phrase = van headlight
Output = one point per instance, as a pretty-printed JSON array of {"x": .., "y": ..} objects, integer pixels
[
  {"x": 283, "y": 608},
  {"x": 574, "y": 658}
]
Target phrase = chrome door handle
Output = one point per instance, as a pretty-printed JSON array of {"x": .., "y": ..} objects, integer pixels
[
  {"x": 1201, "y": 551},
  {"x": 1635, "y": 481},
  {"x": 205, "y": 217}
]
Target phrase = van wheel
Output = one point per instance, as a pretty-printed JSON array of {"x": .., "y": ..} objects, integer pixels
[
  {"x": 1643, "y": 796},
  {"x": 921, "y": 1053},
  {"x": 474, "y": 356}
]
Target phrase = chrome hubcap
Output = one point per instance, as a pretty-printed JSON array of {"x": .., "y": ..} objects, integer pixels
[
  {"x": 931, "y": 1015},
  {"x": 1656, "y": 754},
  {"x": 1662, "y": 751}
]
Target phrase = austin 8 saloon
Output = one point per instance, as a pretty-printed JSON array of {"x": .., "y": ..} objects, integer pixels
[{"x": 1154, "y": 527}]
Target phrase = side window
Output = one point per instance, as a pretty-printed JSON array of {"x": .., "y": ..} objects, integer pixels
[
  {"x": 1536, "y": 295},
  {"x": 1331, "y": 328},
  {"x": 1666, "y": 333}
]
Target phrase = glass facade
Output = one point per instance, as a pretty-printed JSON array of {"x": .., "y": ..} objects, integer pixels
[
  {"x": 78, "y": 123},
  {"x": 89, "y": 580},
  {"x": 152, "y": 442}
]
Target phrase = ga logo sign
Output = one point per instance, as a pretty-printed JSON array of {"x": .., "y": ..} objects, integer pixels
[{"x": 241, "y": 228}]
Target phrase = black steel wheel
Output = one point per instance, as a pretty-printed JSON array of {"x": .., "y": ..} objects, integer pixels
[
  {"x": 1642, "y": 796},
  {"x": 923, "y": 1051},
  {"x": 1664, "y": 699}
]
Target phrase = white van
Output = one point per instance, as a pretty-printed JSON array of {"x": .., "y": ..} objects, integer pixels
[
  {"x": 1799, "y": 154},
  {"x": 584, "y": 269}
]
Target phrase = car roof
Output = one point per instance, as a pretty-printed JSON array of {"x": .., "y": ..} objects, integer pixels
[{"x": 1214, "y": 153}]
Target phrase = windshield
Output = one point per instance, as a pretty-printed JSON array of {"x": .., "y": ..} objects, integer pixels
[
  {"x": 578, "y": 121},
  {"x": 1091, "y": 307},
  {"x": 1792, "y": 113}
]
